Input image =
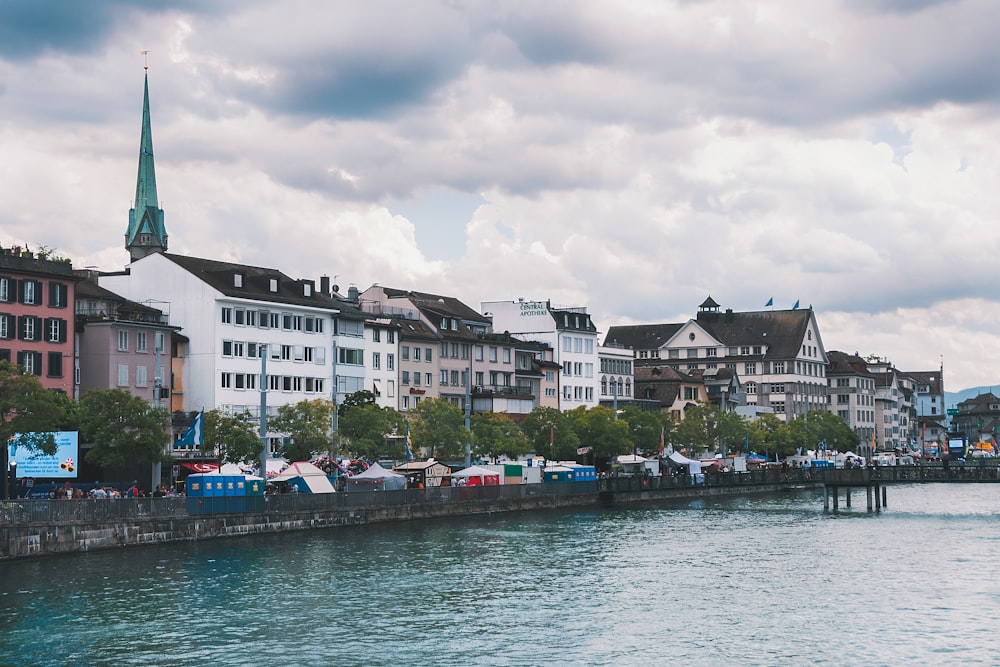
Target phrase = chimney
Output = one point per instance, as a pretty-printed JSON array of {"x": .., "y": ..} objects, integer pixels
[
  {"x": 324, "y": 285},
  {"x": 352, "y": 293}
]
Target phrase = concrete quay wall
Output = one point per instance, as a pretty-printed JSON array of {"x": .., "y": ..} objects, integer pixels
[{"x": 63, "y": 537}]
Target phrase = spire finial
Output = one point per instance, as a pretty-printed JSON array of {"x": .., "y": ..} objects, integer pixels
[{"x": 145, "y": 62}]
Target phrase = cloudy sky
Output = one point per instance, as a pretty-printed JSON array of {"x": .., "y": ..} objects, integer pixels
[{"x": 631, "y": 157}]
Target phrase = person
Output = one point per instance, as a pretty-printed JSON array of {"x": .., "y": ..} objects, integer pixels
[
  {"x": 295, "y": 487},
  {"x": 133, "y": 491}
]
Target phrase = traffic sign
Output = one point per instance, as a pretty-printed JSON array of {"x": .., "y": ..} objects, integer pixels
[{"x": 952, "y": 412}]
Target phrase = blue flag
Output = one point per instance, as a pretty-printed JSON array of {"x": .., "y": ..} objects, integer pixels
[
  {"x": 796, "y": 306},
  {"x": 770, "y": 302},
  {"x": 193, "y": 435},
  {"x": 409, "y": 443}
]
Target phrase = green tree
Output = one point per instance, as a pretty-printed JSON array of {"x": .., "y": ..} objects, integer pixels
[
  {"x": 235, "y": 437},
  {"x": 358, "y": 398},
  {"x": 645, "y": 429},
  {"x": 769, "y": 434},
  {"x": 366, "y": 425},
  {"x": 731, "y": 430},
  {"x": 30, "y": 410},
  {"x": 125, "y": 429},
  {"x": 699, "y": 429},
  {"x": 307, "y": 426},
  {"x": 438, "y": 427},
  {"x": 598, "y": 429},
  {"x": 551, "y": 434},
  {"x": 496, "y": 434},
  {"x": 809, "y": 431}
]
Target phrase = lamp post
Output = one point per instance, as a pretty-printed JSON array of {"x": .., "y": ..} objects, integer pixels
[{"x": 13, "y": 480}]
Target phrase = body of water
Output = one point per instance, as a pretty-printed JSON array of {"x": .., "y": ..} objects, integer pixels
[{"x": 761, "y": 580}]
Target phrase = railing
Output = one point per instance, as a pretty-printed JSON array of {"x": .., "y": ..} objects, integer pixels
[{"x": 88, "y": 510}]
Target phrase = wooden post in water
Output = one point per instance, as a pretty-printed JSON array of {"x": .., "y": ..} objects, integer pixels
[
  {"x": 884, "y": 504},
  {"x": 869, "y": 490},
  {"x": 847, "y": 494},
  {"x": 826, "y": 498}
]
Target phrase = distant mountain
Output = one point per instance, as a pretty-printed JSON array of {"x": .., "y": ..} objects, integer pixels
[{"x": 953, "y": 398}]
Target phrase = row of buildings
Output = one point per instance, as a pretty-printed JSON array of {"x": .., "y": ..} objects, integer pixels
[{"x": 195, "y": 334}]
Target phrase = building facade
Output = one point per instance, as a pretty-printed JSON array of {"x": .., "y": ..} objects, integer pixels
[{"x": 37, "y": 328}]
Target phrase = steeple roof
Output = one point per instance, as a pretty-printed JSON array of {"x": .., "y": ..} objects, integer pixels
[{"x": 146, "y": 232}]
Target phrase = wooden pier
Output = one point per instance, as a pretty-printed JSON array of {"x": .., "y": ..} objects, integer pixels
[{"x": 868, "y": 478}]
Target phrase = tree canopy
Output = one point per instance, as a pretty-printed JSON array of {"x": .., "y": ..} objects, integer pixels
[
  {"x": 496, "y": 434},
  {"x": 551, "y": 434},
  {"x": 307, "y": 426},
  {"x": 235, "y": 437},
  {"x": 29, "y": 409},
  {"x": 438, "y": 426},
  {"x": 125, "y": 429},
  {"x": 366, "y": 427}
]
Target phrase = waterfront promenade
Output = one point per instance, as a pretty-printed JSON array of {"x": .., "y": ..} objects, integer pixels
[{"x": 46, "y": 527}]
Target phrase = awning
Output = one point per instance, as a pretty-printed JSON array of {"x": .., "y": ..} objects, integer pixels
[
  {"x": 378, "y": 387},
  {"x": 200, "y": 467}
]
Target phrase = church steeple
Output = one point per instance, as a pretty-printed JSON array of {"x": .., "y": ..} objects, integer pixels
[{"x": 146, "y": 233}]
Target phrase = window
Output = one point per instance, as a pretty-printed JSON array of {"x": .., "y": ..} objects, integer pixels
[
  {"x": 253, "y": 350},
  {"x": 428, "y": 352},
  {"x": 6, "y": 326},
  {"x": 30, "y": 362},
  {"x": 140, "y": 341},
  {"x": 779, "y": 367},
  {"x": 140, "y": 376},
  {"x": 274, "y": 320},
  {"x": 692, "y": 353},
  {"x": 346, "y": 355},
  {"x": 751, "y": 387},
  {"x": 241, "y": 317},
  {"x": 376, "y": 335},
  {"x": 711, "y": 352},
  {"x": 465, "y": 350},
  {"x": 6, "y": 289},
  {"x": 493, "y": 354},
  {"x": 567, "y": 347},
  {"x": 478, "y": 352},
  {"x": 454, "y": 378},
  {"x": 251, "y": 318},
  {"x": 287, "y": 319},
  {"x": 404, "y": 377},
  {"x": 404, "y": 352},
  {"x": 227, "y": 348},
  {"x": 123, "y": 341},
  {"x": 226, "y": 381},
  {"x": 299, "y": 352},
  {"x": 428, "y": 379},
  {"x": 55, "y": 330},
  {"x": 122, "y": 375},
  {"x": 55, "y": 365},
  {"x": 416, "y": 379},
  {"x": 390, "y": 336},
  {"x": 57, "y": 295},
  {"x": 778, "y": 407},
  {"x": 454, "y": 351},
  {"x": 377, "y": 360},
  {"x": 777, "y": 389},
  {"x": 227, "y": 315},
  {"x": 416, "y": 354},
  {"x": 751, "y": 368},
  {"x": 444, "y": 378},
  {"x": 30, "y": 292},
  {"x": 390, "y": 361}
]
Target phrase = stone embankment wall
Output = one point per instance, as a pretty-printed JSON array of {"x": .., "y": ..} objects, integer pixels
[{"x": 60, "y": 537}]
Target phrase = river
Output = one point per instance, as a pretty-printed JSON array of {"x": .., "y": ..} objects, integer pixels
[{"x": 760, "y": 580}]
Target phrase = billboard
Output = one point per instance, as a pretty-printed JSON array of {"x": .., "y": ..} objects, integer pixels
[{"x": 32, "y": 463}]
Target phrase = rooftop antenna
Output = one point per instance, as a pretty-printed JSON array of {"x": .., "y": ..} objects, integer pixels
[{"x": 145, "y": 63}]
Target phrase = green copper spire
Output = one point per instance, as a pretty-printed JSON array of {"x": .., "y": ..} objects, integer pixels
[{"x": 146, "y": 233}]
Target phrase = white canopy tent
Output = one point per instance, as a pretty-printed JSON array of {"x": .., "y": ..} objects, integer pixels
[
  {"x": 694, "y": 467},
  {"x": 305, "y": 474}
]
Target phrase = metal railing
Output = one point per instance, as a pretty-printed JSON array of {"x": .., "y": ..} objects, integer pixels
[{"x": 91, "y": 510}]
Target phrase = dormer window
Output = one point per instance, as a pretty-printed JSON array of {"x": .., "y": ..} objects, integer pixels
[
  {"x": 237, "y": 280},
  {"x": 307, "y": 289},
  {"x": 273, "y": 285}
]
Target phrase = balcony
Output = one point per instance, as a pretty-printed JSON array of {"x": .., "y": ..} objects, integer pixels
[{"x": 502, "y": 390}]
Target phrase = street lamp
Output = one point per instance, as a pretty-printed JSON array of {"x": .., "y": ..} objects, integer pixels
[{"x": 13, "y": 480}]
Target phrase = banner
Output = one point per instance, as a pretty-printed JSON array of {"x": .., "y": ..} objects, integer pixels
[
  {"x": 193, "y": 436},
  {"x": 32, "y": 463}
]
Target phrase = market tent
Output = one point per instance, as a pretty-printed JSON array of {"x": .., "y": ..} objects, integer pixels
[
  {"x": 477, "y": 476},
  {"x": 309, "y": 478},
  {"x": 694, "y": 467},
  {"x": 377, "y": 478}
]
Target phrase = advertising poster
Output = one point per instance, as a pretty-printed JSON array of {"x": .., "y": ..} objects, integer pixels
[{"x": 32, "y": 463}]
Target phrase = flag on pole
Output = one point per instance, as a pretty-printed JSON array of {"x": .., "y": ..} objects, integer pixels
[
  {"x": 770, "y": 302},
  {"x": 193, "y": 436},
  {"x": 552, "y": 440},
  {"x": 409, "y": 442},
  {"x": 662, "y": 443},
  {"x": 796, "y": 306}
]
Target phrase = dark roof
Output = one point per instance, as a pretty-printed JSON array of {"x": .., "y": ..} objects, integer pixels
[
  {"x": 416, "y": 329},
  {"x": 842, "y": 363},
  {"x": 929, "y": 378},
  {"x": 641, "y": 336},
  {"x": 439, "y": 305},
  {"x": 256, "y": 282},
  {"x": 782, "y": 331}
]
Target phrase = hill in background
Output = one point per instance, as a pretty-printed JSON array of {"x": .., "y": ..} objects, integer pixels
[{"x": 953, "y": 398}]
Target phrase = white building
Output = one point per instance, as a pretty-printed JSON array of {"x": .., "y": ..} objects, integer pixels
[
  {"x": 233, "y": 315},
  {"x": 568, "y": 331}
]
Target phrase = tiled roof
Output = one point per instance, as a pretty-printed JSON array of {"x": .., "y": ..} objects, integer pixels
[
  {"x": 782, "y": 331},
  {"x": 641, "y": 336},
  {"x": 256, "y": 282}
]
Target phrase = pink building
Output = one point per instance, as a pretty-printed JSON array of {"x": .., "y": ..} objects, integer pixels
[{"x": 36, "y": 316}]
